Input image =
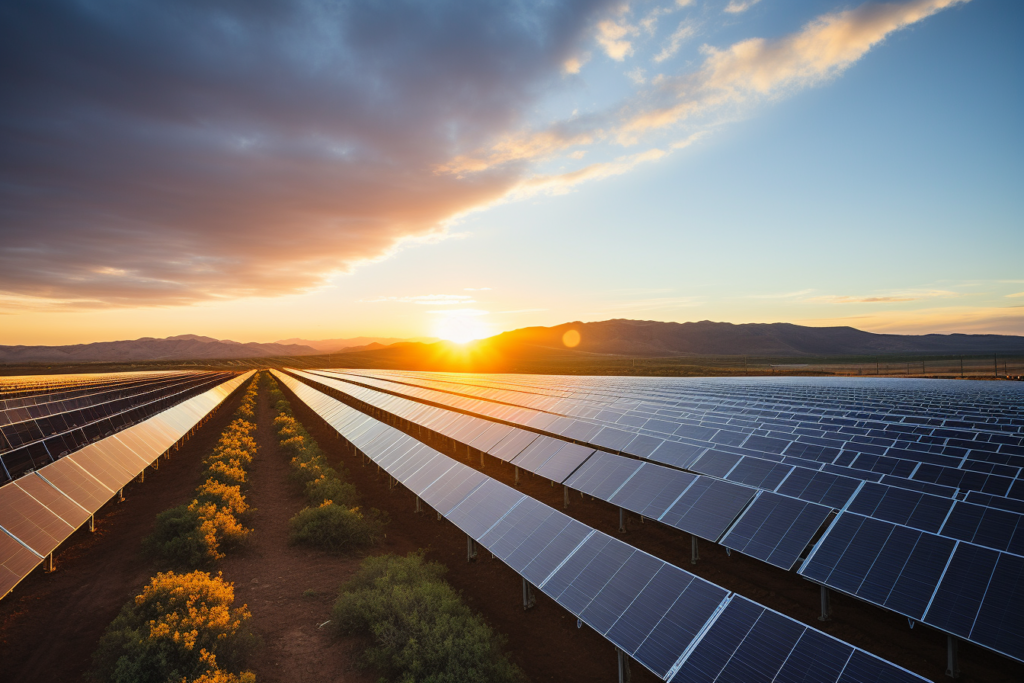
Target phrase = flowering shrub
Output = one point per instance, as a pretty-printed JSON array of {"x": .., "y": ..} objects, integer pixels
[
  {"x": 333, "y": 521},
  {"x": 192, "y": 536},
  {"x": 182, "y": 627}
]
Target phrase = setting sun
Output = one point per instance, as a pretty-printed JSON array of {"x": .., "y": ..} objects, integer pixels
[{"x": 461, "y": 326}]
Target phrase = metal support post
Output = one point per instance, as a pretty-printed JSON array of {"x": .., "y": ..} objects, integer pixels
[
  {"x": 826, "y": 605},
  {"x": 439, "y": 516},
  {"x": 470, "y": 549},
  {"x": 694, "y": 552},
  {"x": 529, "y": 599},
  {"x": 92, "y": 522},
  {"x": 565, "y": 497},
  {"x": 142, "y": 475},
  {"x": 622, "y": 521},
  {"x": 623, "y": 665},
  {"x": 49, "y": 563},
  {"x": 419, "y": 504},
  {"x": 517, "y": 476},
  {"x": 120, "y": 496},
  {"x": 952, "y": 657}
]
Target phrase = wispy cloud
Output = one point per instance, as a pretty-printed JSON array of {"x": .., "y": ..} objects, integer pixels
[
  {"x": 980, "y": 320},
  {"x": 613, "y": 36},
  {"x": 886, "y": 298},
  {"x": 787, "y": 295},
  {"x": 683, "y": 32},
  {"x": 739, "y": 6},
  {"x": 1014, "y": 296}
]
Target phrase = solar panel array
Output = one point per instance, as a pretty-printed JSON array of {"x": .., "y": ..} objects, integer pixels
[
  {"x": 39, "y": 426},
  {"x": 677, "y": 625},
  {"x": 738, "y": 485},
  {"x": 40, "y": 510}
]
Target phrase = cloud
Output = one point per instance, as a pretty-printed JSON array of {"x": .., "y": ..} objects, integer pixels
[
  {"x": 425, "y": 299},
  {"x": 1014, "y": 296},
  {"x": 892, "y": 297},
  {"x": 755, "y": 69},
  {"x": 682, "y": 33},
  {"x": 787, "y": 295},
  {"x": 951, "y": 320},
  {"x": 611, "y": 35},
  {"x": 157, "y": 153},
  {"x": 739, "y": 6}
]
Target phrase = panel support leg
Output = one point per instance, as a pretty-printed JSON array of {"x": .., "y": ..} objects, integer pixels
[
  {"x": 517, "y": 476},
  {"x": 622, "y": 521},
  {"x": 826, "y": 605},
  {"x": 470, "y": 549},
  {"x": 419, "y": 504},
  {"x": 120, "y": 496},
  {"x": 623, "y": 665},
  {"x": 952, "y": 657},
  {"x": 142, "y": 475},
  {"x": 565, "y": 497},
  {"x": 529, "y": 599},
  {"x": 49, "y": 563},
  {"x": 92, "y": 522},
  {"x": 481, "y": 459},
  {"x": 694, "y": 550}
]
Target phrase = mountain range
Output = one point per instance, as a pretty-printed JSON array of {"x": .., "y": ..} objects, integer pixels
[{"x": 609, "y": 338}]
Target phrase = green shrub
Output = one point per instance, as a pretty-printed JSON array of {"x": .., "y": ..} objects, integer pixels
[
  {"x": 182, "y": 627},
  {"x": 177, "y": 540},
  {"x": 333, "y": 489},
  {"x": 420, "y": 628},
  {"x": 336, "y": 529}
]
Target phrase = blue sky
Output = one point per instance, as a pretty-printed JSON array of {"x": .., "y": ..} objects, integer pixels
[{"x": 811, "y": 162}]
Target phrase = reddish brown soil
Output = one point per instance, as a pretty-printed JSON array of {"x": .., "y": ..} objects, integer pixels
[{"x": 545, "y": 641}]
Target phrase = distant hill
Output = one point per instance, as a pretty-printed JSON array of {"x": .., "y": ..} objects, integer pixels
[
  {"x": 706, "y": 338},
  {"x": 180, "y": 347},
  {"x": 351, "y": 344}
]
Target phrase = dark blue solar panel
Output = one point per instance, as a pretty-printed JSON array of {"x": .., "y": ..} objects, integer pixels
[
  {"x": 537, "y": 453},
  {"x": 990, "y": 527},
  {"x": 675, "y": 454},
  {"x": 909, "y": 508},
  {"x": 652, "y": 490},
  {"x": 589, "y": 580},
  {"x": 819, "y": 487},
  {"x": 618, "y": 593},
  {"x": 708, "y": 507},
  {"x": 762, "y": 474},
  {"x": 484, "y": 507},
  {"x": 999, "y": 624},
  {"x": 715, "y": 463},
  {"x": 602, "y": 474},
  {"x": 446, "y": 493},
  {"x": 680, "y": 625},
  {"x": 564, "y": 462},
  {"x": 863, "y": 668},
  {"x": 514, "y": 528},
  {"x": 513, "y": 444},
  {"x": 776, "y": 529},
  {"x": 815, "y": 659},
  {"x": 612, "y": 438},
  {"x": 959, "y": 596},
  {"x": 641, "y": 617},
  {"x": 892, "y": 566}
]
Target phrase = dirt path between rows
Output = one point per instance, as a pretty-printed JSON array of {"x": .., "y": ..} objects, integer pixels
[
  {"x": 289, "y": 589},
  {"x": 50, "y": 623}
]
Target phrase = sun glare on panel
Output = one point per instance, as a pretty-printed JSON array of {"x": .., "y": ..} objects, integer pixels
[{"x": 461, "y": 327}]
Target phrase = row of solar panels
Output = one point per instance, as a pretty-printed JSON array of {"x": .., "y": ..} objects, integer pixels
[
  {"x": 939, "y": 455},
  {"x": 29, "y": 390},
  {"x": 22, "y": 426},
  {"x": 40, "y": 510},
  {"x": 677, "y": 625},
  {"x": 969, "y": 520},
  {"x": 778, "y": 528},
  {"x": 718, "y": 457},
  {"x": 804, "y": 418},
  {"x": 919, "y": 402},
  {"x": 102, "y": 421},
  {"x": 54, "y": 403}
]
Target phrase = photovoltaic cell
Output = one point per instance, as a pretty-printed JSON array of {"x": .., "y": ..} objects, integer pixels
[
  {"x": 708, "y": 507},
  {"x": 776, "y": 529},
  {"x": 602, "y": 474},
  {"x": 651, "y": 490},
  {"x": 909, "y": 508},
  {"x": 564, "y": 462},
  {"x": 832, "y": 490}
]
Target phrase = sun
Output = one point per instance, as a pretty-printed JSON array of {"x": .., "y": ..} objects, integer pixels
[{"x": 461, "y": 327}]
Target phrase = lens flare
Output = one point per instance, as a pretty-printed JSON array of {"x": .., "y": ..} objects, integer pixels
[{"x": 571, "y": 338}]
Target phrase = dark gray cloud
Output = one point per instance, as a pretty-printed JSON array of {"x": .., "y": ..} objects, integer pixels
[{"x": 169, "y": 152}]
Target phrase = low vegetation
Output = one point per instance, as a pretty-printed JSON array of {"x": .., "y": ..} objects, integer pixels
[
  {"x": 182, "y": 628},
  {"x": 192, "y": 536},
  {"x": 333, "y": 521},
  {"x": 421, "y": 630}
]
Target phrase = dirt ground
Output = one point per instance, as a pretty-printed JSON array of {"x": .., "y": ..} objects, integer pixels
[
  {"x": 919, "y": 649},
  {"x": 50, "y": 624}
]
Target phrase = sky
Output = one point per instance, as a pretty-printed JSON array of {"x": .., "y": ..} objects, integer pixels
[{"x": 257, "y": 170}]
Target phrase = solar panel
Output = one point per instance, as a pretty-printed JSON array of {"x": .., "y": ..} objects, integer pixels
[
  {"x": 651, "y": 490},
  {"x": 708, "y": 507},
  {"x": 909, "y": 508},
  {"x": 776, "y": 529},
  {"x": 602, "y": 475},
  {"x": 892, "y": 566}
]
